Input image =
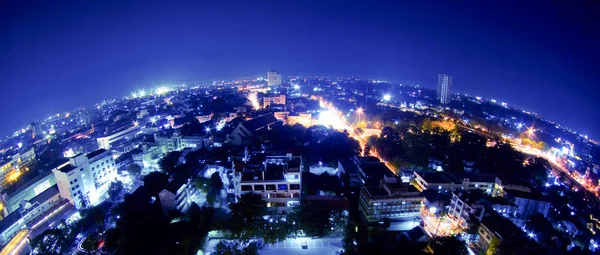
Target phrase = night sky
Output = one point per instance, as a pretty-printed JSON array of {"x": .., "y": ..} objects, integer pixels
[{"x": 542, "y": 56}]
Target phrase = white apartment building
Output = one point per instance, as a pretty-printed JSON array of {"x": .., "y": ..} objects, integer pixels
[{"x": 86, "y": 177}]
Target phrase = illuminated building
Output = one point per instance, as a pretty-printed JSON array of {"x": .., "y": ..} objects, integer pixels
[
  {"x": 395, "y": 201},
  {"x": 443, "y": 89},
  {"x": 277, "y": 180},
  {"x": 179, "y": 194},
  {"x": 464, "y": 204},
  {"x": 244, "y": 132},
  {"x": 85, "y": 178},
  {"x": 444, "y": 181},
  {"x": 31, "y": 210},
  {"x": 12, "y": 197},
  {"x": 175, "y": 140},
  {"x": 273, "y": 100},
  {"x": 304, "y": 119},
  {"x": 36, "y": 129},
  {"x": 129, "y": 132},
  {"x": 102, "y": 167},
  {"x": 11, "y": 169},
  {"x": 273, "y": 78}
]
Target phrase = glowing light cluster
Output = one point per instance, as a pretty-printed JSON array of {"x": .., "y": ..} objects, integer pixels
[
  {"x": 161, "y": 90},
  {"x": 254, "y": 101}
]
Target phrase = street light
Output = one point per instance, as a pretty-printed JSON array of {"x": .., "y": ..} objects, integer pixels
[
  {"x": 387, "y": 97},
  {"x": 359, "y": 110}
]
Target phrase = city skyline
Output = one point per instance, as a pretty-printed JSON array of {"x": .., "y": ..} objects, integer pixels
[{"x": 52, "y": 64}]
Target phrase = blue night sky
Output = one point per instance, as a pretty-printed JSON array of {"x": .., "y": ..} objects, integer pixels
[{"x": 59, "y": 55}]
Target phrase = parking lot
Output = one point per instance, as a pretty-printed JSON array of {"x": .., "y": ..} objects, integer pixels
[{"x": 293, "y": 246}]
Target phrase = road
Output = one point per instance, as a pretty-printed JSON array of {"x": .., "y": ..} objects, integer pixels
[{"x": 292, "y": 246}]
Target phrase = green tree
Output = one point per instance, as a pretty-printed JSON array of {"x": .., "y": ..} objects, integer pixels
[
  {"x": 247, "y": 217},
  {"x": 115, "y": 189},
  {"x": 203, "y": 184},
  {"x": 90, "y": 244},
  {"x": 169, "y": 162},
  {"x": 134, "y": 170},
  {"x": 216, "y": 183},
  {"x": 51, "y": 242},
  {"x": 155, "y": 182},
  {"x": 448, "y": 245},
  {"x": 311, "y": 219}
]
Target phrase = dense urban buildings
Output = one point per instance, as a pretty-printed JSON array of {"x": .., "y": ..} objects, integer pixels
[{"x": 317, "y": 158}]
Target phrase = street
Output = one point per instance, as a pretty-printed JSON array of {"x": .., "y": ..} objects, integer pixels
[{"x": 292, "y": 246}]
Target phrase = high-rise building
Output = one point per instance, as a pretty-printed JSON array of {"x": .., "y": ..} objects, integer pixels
[
  {"x": 443, "y": 90},
  {"x": 273, "y": 78},
  {"x": 36, "y": 129}
]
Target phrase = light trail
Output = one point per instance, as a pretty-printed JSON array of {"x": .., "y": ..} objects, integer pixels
[{"x": 334, "y": 118}]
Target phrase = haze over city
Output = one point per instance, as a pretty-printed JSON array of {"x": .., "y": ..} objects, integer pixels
[{"x": 57, "y": 56}]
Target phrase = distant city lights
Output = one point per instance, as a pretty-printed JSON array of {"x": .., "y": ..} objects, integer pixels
[{"x": 387, "y": 97}]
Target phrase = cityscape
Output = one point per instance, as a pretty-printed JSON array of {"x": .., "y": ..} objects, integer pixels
[{"x": 294, "y": 163}]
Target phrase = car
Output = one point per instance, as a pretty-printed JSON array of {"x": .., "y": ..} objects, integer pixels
[{"x": 304, "y": 244}]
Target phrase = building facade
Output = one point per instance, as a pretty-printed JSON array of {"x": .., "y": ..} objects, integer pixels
[
  {"x": 273, "y": 100},
  {"x": 393, "y": 201},
  {"x": 443, "y": 89},
  {"x": 273, "y": 78}
]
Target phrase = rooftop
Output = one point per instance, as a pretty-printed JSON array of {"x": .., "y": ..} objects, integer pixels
[
  {"x": 95, "y": 153},
  {"x": 348, "y": 166},
  {"x": 260, "y": 122},
  {"x": 501, "y": 226},
  {"x": 533, "y": 195},
  {"x": 67, "y": 168},
  {"x": 45, "y": 195},
  {"x": 438, "y": 177}
]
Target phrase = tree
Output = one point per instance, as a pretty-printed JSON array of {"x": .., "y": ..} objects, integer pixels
[
  {"x": 448, "y": 245},
  {"x": 155, "y": 182},
  {"x": 247, "y": 216},
  {"x": 115, "y": 190},
  {"x": 51, "y": 241},
  {"x": 134, "y": 170},
  {"x": 90, "y": 244},
  {"x": 312, "y": 219},
  {"x": 203, "y": 184},
  {"x": 215, "y": 182},
  {"x": 169, "y": 161},
  {"x": 235, "y": 248}
]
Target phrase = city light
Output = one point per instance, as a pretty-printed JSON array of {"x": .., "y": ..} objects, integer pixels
[
  {"x": 387, "y": 97},
  {"x": 359, "y": 110},
  {"x": 162, "y": 90},
  {"x": 296, "y": 86}
]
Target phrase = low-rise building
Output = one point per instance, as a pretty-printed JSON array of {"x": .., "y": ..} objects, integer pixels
[
  {"x": 104, "y": 142},
  {"x": 395, "y": 201},
  {"x": 179, "y": 194},
  {"x": 495, "y": 229},
  {"x": 30, "y": 213},
  {"x": 279, "y": 184},
  {"x": 273, "y": 99},
  {"x": 463, "y": 205},
  {"x": 528, "y": 203},
  {"x": 348, "y": 167},
  {"x": 244, "y": 132},
  {"x": 444, "y": 181}
]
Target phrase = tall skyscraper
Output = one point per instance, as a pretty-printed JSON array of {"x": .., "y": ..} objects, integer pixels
[
  {"x": 273, "y": 78},
  {"x": 443, "y": 90}
]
